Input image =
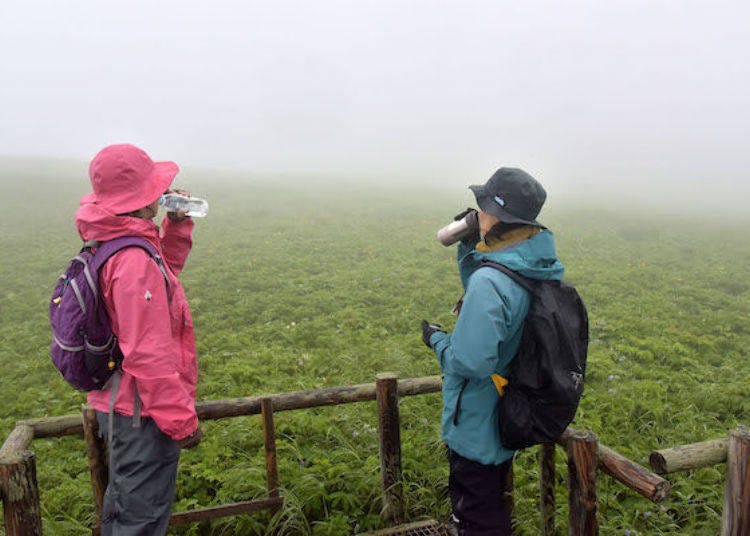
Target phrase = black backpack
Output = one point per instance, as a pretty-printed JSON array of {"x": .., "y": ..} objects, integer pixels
[{"x": 545, "y": 381}]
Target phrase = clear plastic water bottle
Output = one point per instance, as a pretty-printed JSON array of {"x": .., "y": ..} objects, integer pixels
[{"x": 192, "y": 206}]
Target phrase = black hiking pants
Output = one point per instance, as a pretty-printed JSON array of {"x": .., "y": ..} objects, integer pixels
[{"x": 478, "y": 498}]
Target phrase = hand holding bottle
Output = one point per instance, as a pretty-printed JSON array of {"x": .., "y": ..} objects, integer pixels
[
  {"x": 174, "y": 215},
  {"x": 183, "y": 204},
  {"x": 465, "y": 227}
]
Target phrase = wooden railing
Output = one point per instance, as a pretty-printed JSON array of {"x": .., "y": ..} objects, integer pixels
[
  {"x": 735, "y": 451},
  {"x": 20, "y": 494}
]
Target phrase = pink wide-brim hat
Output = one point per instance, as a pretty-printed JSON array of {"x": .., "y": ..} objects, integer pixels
[{"x": 124, "y": 178}]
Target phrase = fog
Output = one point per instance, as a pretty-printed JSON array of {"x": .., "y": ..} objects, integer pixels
[{"x": 641, "y": 99}]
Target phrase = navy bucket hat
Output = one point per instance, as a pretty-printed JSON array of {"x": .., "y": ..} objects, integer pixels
[{"x": 512, "y": 196}]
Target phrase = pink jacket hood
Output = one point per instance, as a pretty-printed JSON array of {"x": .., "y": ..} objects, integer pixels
[{"x": 96, "y": 223}]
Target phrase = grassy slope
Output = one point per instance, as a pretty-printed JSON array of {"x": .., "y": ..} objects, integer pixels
[{"x": 302, "y": 287}]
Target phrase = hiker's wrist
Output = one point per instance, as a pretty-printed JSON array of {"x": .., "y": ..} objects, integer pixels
[
  {"x": 177, "y": 217},
  {"x": 191, "y": 441}
]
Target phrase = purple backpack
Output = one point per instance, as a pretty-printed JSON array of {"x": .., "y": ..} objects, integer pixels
[{"x": 84, "y": 349}]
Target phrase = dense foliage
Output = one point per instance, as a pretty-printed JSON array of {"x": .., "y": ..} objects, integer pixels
[{"x": 299, "y": 285}]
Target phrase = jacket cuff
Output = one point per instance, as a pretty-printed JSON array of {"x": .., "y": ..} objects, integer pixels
[
  {"x": 185, "y": 431},
  {"x": 436, "y": 338}
]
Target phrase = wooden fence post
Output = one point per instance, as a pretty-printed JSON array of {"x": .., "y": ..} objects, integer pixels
[
  {"x": 269, "y": 440},
  {"x": 547, "y": 488},
  {"x": 582, "y": 449},
  {"x": 389, "y": 434},
  {"x": 96, "y": 455},
  {"x": 20, "y": 493},
  {"x": 736, "y": 516}
]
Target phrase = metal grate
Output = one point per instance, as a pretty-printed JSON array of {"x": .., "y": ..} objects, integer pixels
[{"x": 420, "y": 528}]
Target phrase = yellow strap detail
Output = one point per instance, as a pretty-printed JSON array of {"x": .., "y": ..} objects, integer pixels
[{"x": 500, "y": 383}]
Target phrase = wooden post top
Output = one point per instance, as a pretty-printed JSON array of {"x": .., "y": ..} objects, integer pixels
[
  {"x": 18, "y": 441},
  {"x": 583, "y": 435},
  {"x": 740, "y": 433},
  {"x": 386, "y": 376},
  {"x": 14, "y": 458},
  {"x": 571, "y": 434}
]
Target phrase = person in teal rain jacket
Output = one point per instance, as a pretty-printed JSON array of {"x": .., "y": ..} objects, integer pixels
[{"x": 485, "y": 340}]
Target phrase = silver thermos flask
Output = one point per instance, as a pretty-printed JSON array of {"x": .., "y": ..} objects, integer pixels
[{"x": 454, "y": 231}]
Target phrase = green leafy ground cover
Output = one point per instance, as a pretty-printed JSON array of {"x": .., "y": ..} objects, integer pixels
[{"x": 307, "y": 286}]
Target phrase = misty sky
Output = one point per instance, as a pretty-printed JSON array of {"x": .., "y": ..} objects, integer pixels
[{"x": 577, "y": 92}]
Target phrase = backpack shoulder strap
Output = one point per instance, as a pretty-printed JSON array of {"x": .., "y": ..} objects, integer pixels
[
  {"x": 106, "y": 249},
  {"x": 524, "y": 282}
]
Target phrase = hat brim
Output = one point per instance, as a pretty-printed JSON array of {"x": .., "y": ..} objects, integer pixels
[
  {"x": 490, "y": 206},
  {"x": 162, "y": 175}
]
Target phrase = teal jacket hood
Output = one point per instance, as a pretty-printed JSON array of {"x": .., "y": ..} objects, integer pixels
[
  {"x": 485, "y": 340},
  {"x": 535, "y": 258}
]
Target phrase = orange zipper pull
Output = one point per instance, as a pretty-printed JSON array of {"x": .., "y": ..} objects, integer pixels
[{"x": 500, "y": 383}]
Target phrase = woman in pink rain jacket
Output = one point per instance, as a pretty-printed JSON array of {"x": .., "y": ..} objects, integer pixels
[{"x": 153, "y": 411}]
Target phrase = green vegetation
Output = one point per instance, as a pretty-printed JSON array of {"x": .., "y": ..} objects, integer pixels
[{"x": 302, "y": 285}]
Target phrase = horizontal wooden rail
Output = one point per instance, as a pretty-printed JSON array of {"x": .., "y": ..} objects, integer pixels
[
  {"x": 251, "y": 405},
  {"x": 688, "y": 457},
  {"x": 636, "y": 477},
  {"x": 225, "y": 510},
  {"x": 64, "y": 425},
  {"x": 218, "y": 409}
]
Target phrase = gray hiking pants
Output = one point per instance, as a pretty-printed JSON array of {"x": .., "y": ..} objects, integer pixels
[{"x": 143, "y": 472}]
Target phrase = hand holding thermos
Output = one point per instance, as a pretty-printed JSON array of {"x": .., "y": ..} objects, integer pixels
[{"x": 465, "y": 228}]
